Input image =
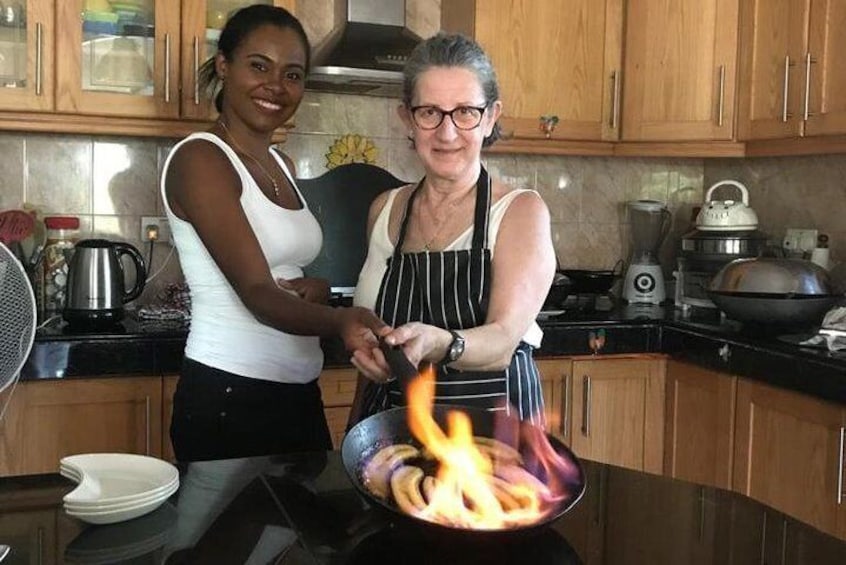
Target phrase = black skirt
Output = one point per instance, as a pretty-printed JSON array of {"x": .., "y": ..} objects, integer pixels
[{"x": 219, "y": 415}]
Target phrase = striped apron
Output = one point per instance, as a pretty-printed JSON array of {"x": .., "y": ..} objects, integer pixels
[{"x": 451, "y": 289}]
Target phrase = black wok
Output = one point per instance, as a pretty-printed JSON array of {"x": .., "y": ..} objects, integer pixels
[
  {"x": 769, "y": 308},
  {"x": 390, "y": 427},
  {"x": 584, "y": 281}
]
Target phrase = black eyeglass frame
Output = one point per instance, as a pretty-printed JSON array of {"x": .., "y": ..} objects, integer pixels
[{"x": 445, "y": 113}]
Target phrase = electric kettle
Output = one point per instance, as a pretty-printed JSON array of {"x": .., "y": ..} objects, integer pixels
[
  {"x": 96, "y": 281},
  {"x": 725, "y": 215}
]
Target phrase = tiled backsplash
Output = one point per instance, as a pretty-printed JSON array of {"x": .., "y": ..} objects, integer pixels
[{"x": 111, "y": 182}]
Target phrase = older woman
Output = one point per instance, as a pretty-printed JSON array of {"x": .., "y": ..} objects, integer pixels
[{"x": 460, "y": 263}]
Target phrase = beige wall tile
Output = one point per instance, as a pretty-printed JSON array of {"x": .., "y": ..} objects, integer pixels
[
  {"x": 58, "y": 173},
  {"x": 125, "y": 174},
  {"x": 11, "y": 171}
]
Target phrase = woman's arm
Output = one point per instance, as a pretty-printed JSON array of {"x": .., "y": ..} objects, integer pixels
[{"x": 203, "y": 188}]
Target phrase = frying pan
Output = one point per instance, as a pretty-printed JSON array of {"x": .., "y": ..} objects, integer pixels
[
  {"x": 390, "y": 427},
  {"x": 589, "y": 282}
]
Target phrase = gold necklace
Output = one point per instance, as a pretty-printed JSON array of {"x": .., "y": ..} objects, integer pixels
[
  {"x": 253, "y": 159},
  {"x": 451, "y": 206}
]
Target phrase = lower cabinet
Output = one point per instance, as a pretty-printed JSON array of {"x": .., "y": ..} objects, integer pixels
[
  {"x": 31, "y": 533},
  {"x": 47, "y": 420},
  {"x": 608, "y": 409},
  {"x": 699, "y": 430},
  {"x": 788, "y": 454},
  {"x": 168, "y": 388},
  {"x": 337, "y": 387}
]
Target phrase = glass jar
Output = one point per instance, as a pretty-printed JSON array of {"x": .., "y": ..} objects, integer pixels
[{"x": 62, "y": 234}]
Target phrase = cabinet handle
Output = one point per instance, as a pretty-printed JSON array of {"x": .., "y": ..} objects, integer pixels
[
  {"x": 721, "y": 95},
  {"x": 785, "y": 115},
  {"x": 147, "y": 424},
  {"x": 38, "y": 58},
  {"x": 840, "y": 463},
  {"x": 167, "y": 69},
  {"x": 615, "y": 99},
  {"x": 565, "y": 404},
  {"x": 701, "y": 513},
  {"x": 586, "y": 406},
  {"x": 808, "y": 61},
  {"x": 40, "y": 544},
  {"x": 196, "y": 71}
]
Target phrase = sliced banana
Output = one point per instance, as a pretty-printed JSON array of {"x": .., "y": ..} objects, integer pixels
[
  {"x": 405, "y": 486},
  {"x": 378, "y": 471},
  {"x": 497, "y": 450}
]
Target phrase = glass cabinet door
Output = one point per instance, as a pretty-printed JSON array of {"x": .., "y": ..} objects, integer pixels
[
  {"x": 202, "y": 22},
  {"x": 26, "y": 55},
  {"x": 119, "y": 57}
]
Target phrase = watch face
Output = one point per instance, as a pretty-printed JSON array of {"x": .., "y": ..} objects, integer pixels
[{"x": 456, "y": 349}]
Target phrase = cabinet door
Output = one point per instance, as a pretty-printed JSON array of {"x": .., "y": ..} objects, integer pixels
[
  {"x": 201, "y": 23},
  {"x": 827, "y": 73},
  {"x": 31, "y": 535},
  {"x": 555, "y": 382},
  {"x": 46, "y": 421},
  {"x": 27, "y": 58},
  {"x": 337, "y": 388},
  {"x": 618, "y": 412},
  {"x": 129, "y": 68},
  {"x": 699, "y": 430},
  {"x": 789, "y": 454},
  {"x": 681, "y": 59},
  {"x": 771, "y": 63},
  {"x": 557, "y": 57}
]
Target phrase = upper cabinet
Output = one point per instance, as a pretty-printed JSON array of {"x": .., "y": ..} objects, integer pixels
[
  {"x": 557, "y": 59},
  {"x": 680, "y": 68},
  {"x": 26, "y": 56},
  {"x": 791, "y": 82},
  {"x": 134, "y": 62}
]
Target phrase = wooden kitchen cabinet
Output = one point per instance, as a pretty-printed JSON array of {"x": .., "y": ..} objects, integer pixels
[
  {"x": 618, "y": 411},
  {"x": 680, "y": 68},
  {"x": 699, "y": 431},
  {"x": 791, "y": 81},
  {"x": 27, "y": 58},
  {"x": 789, "y": 454},
  {"x": 337, "y": 387},
  {"x": 557, "y": 57},
  {"x": 31, "y": 533},
  {"x": 555, "y": 382},
  {"x": 47, "y": 420}
]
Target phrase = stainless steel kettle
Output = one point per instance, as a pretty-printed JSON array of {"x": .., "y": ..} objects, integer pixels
[{"x": 96, "y": 281}]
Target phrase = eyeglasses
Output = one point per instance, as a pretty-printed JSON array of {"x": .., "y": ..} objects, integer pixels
[{"x": 464, "y": 117}]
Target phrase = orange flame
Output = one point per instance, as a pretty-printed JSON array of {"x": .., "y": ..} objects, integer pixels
[{"x": 465, "y": 491}]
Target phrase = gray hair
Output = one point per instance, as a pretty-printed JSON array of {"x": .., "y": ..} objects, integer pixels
[{"x": 452, "y": 50}]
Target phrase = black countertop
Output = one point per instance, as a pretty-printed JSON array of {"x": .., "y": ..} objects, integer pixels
[
  {"x": 302, "y": 509},
  {"x": 767, "y": 353}
]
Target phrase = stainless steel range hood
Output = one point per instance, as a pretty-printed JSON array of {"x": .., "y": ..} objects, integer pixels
[{"x": 366, "y": 52}]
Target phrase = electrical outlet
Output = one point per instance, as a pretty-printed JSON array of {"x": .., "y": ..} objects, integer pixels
[
  {"x": 800, "y": 240},
  {"x": 161, "y": 225}
]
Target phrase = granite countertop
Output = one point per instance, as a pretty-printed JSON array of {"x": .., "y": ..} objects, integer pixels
[
  {"x": 304, "y": 509},
  {"x": 768, "y": 353}
]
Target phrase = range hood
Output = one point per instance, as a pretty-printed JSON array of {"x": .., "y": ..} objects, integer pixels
[{"x": 366, "y": 52}]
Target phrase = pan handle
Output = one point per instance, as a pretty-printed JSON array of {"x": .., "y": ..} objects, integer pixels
[{"x": 617, "y": 265}]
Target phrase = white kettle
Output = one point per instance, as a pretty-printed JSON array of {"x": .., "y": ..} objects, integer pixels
[{"x": 724, "y": 215}]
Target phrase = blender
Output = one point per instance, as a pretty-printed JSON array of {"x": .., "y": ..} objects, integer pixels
[{"x": 649, "y": 221}]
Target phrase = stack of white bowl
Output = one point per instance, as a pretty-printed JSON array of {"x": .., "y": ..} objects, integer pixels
[{"x": 114, "y": 487}]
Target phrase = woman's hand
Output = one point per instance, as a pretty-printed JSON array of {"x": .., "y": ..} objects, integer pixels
[
  {"x": 421, "y": 342},
  {"x": 309, "y": 289}
]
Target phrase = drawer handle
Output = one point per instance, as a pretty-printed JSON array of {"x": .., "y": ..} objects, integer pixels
[
  {"x": 785, "y": 115},
  {"x": 721, "y": 95},
  {"x": 147, "y": 425},
  {"x": 840, "y": 463},
  {"x": 196, "y": 71},
  {"x": 724, "y": 352},
  {"x": 565, "y": 404},
  {"x": 808, "y": 62},
  {"x": 39, "y": 64},
  {"x": 167, "y": 69}
]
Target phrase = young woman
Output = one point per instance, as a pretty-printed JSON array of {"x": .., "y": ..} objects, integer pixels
[{"x": 248, "y": 385}]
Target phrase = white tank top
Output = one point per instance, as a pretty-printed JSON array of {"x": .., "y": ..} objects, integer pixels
[
  {"x": 223, "y": 333},
  {"x": 381, "y": 248}
]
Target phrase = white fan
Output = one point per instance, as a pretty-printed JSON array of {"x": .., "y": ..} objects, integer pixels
[{"x": 17, "y": 320}]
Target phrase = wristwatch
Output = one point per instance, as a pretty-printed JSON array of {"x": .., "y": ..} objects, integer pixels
[{"x": 455, "y": 349}]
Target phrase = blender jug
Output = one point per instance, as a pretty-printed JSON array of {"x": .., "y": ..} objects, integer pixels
[{"x": 649, "y": 221}]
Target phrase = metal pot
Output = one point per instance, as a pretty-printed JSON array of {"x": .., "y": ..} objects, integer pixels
[
  {"x": 391, "y": 426},
  {"x": 773, "y": 290}
]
